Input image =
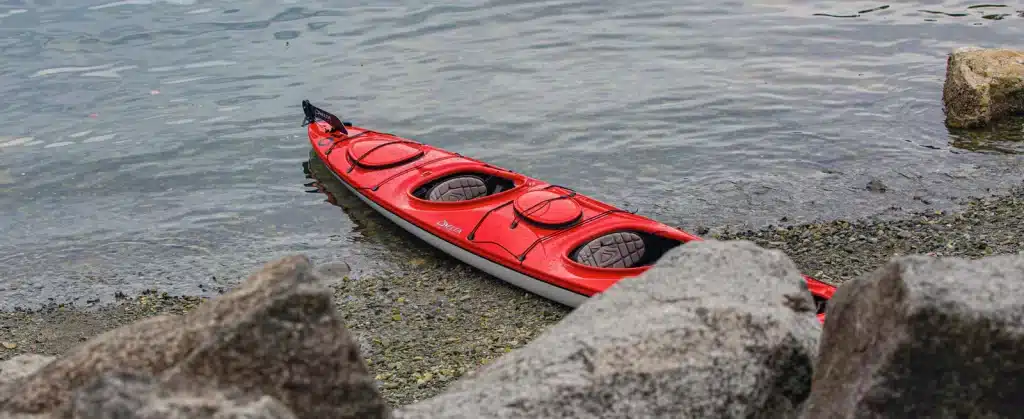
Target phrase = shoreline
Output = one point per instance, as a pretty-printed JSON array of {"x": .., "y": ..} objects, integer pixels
[
  {"x": 839, "y": 250},
  {"x": 434, "y": 319}
]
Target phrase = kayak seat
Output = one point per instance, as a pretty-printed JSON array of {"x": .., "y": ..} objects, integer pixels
[
  {"x": 614, "y": 250},
  {"x": 463, "y": 187},
  {"x": 460, "y": 188}
]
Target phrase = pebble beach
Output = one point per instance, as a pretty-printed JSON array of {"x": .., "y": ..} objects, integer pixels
[{"x": 429, "y": 323}]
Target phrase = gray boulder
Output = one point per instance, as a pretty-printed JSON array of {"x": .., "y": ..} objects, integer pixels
[
  {"x": 982, "y": 85},
  {"x": 277, "y": 334},
  {"x": 129, "y": 395},
  {"x": 150, "y": 345},
  {"x": 22, "y": 365},
  {"x": 295, "y": 347},
  {"x": 17, "y": 367},
  {"x": 715, "y": 329},
  {"x": 925, "y": 337}
]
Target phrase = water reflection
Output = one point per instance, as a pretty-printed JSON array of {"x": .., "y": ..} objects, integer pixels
[
  {"x": 1004, "y": 136},
  {"x": 858, "y": 14},
  {"x": 983, "y": 11},
  {"x": 369, "y": 224},
  {"x": 170, "y": 124}
]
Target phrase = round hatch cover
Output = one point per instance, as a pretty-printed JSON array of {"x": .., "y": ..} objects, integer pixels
[
  {"x": 548, "y": 208},
  {"x": 379, "y": 153}
]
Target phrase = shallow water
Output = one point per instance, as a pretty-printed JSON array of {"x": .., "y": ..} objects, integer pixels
[{"x": 157, "y": 144}]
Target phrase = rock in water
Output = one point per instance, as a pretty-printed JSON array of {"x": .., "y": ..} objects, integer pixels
[
  {"x": 128, "y": 395},
  {"x": 875, "y": 185},
  {"x": 277, "y": 334},
  {"x": 982, "y": 85},
  {"x": 714, "y": 329},
  {"x": 924, "y": 337},
  {"x": 334, "y": 270}
]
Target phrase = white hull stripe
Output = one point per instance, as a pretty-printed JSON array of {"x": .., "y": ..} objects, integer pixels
[{"x": 518, "y": 279}]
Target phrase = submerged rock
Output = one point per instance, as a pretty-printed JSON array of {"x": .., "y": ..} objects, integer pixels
[
  {"x": 983, "y": 85},
  {"x": 715, "y": 329},
  {"x": 277, "y": 334},
  {"x": 924, "y": 337},
  {"x": 875, "y": 185}
]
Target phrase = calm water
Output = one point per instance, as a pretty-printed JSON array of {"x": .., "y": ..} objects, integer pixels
[{"x": 157, "y": 144}]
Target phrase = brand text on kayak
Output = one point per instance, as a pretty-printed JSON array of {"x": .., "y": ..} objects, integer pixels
[{"x": 444, "y": 224}]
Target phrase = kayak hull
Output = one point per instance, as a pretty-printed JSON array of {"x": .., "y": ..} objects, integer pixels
[
  {"x": 527, "y": 283},
  {"x": 529, "y": 233}
]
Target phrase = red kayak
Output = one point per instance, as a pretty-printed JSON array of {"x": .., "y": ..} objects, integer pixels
[{"x": 544, "y": 238}]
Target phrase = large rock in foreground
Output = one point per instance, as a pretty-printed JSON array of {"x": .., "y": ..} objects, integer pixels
[
  {"x": 277, "y": 334},
  {"x": 715, "y": 329},
  {"x": 983, "y": 85},
  {"x": 128, "y": 395},
  {"x": 923, "y": 337},
  {"x": 22, "y": 365}
]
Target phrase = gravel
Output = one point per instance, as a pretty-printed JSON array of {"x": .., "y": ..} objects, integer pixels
[
  {"x": 840, "y": 250},
  {"x": 433, "y": 318},
  {"x": 419, "y": 329},
  {"x": 55, "y": 328}
]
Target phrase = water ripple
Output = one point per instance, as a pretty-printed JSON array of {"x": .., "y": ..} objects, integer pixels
[{"x": 157, "y": 143}]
